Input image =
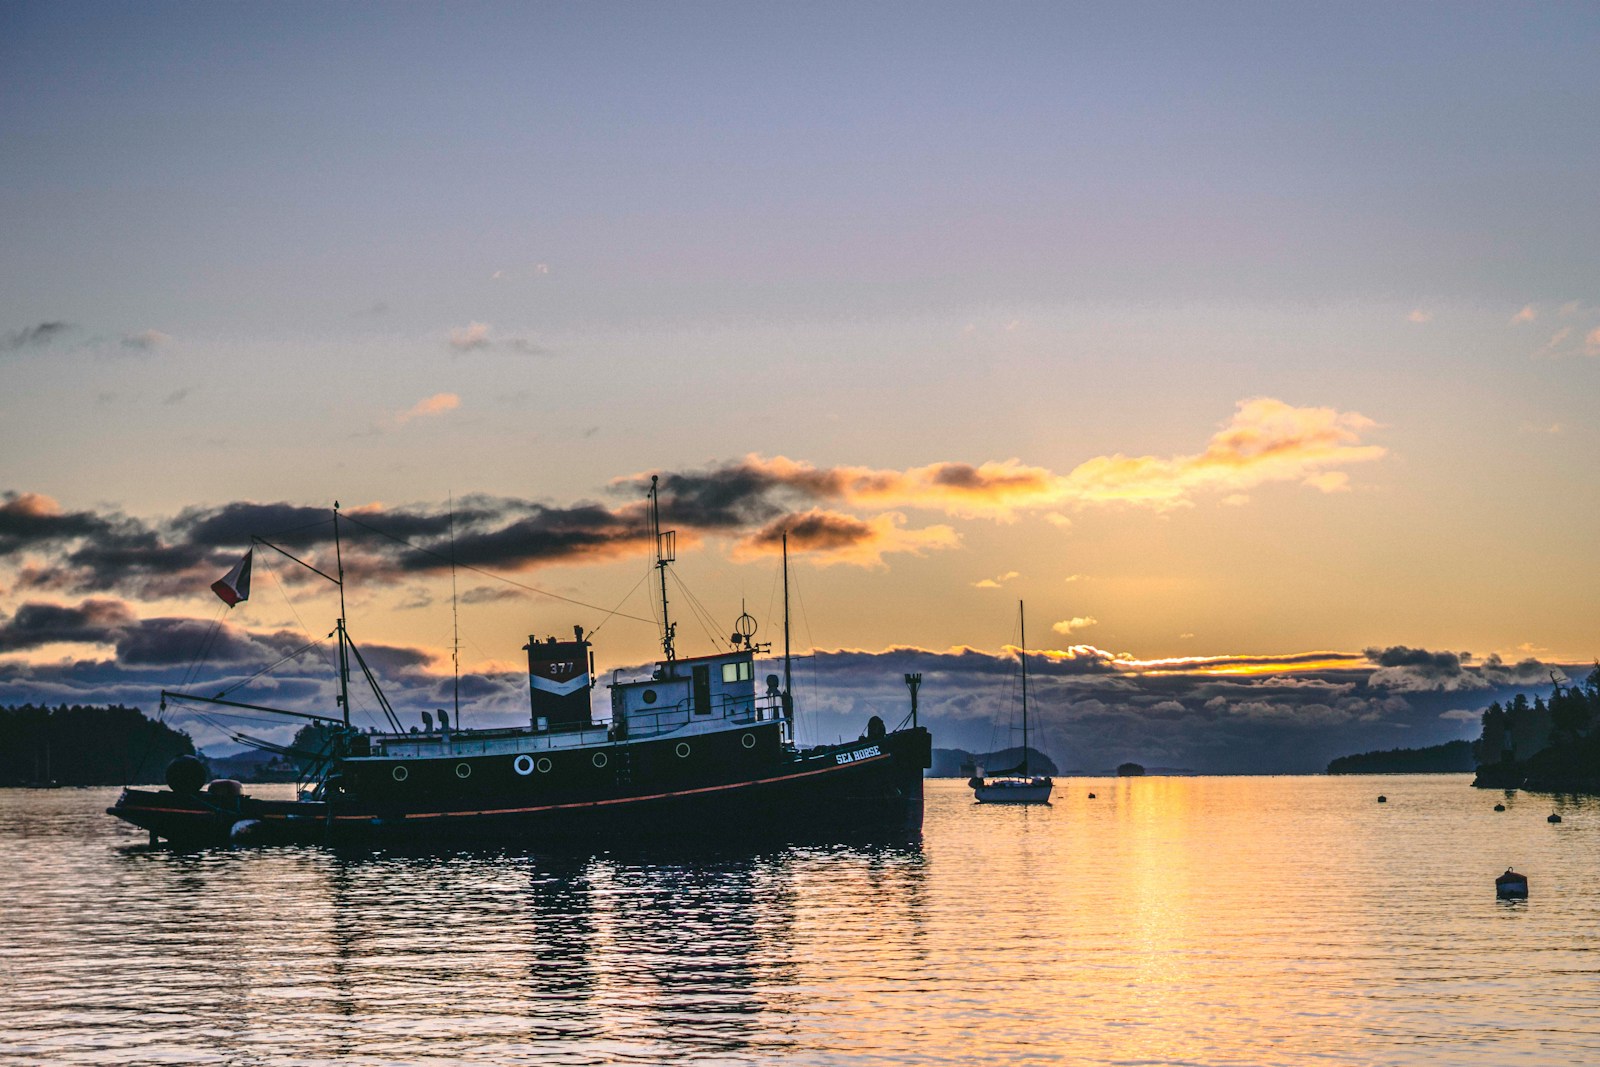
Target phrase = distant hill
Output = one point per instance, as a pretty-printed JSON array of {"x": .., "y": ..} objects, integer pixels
[
  {"x": 947, "y": 761},
  {"x": 1448, "y": 758},
  {"x": 80, "y": 745}
]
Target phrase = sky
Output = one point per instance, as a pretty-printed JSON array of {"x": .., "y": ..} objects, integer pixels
[{"x": 1253, "y": 346}]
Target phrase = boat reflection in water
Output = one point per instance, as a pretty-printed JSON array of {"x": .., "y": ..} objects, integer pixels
[{"x": 650, "y": 954}]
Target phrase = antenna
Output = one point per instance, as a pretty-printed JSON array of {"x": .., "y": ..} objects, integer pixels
[
  {"x": 344, "y": 652},
  {"x": 913, "y": 683},
  {"x": 666, "y": 552},
  {"x": 788, "y": 678}
]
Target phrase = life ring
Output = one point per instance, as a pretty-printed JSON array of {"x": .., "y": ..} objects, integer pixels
[
  {"x": 598, "y": 759},
  {"x": 543, "y": 766},
  {"x": 400, "y": 773},
  {"x": 748, "y": 740},
  {"x": 463, "y": 770},
  {"x": 683, "y": 750},
  {"x": 523, "y": 765}
]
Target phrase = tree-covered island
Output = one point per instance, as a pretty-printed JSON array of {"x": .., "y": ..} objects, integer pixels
[{"x": 1548, "y": 746}]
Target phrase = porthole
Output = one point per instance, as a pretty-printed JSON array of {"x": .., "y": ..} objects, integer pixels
[
  {"x": 683, "y": 749},
  {"x": 463, "y": 770},
  {"x": 649, "y": 696},
  {"x": 748, "y": 740},
  {"x": 543, "y": 765},
  {"x": 400, "y": 773},
  {"x": 523, "y": 764},
  {"x": 598, "y": 759}
]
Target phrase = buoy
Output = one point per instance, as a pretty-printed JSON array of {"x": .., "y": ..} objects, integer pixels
[
  {"x": 1511, "y": 884},
  {"x": 1499, "y": 807},
  {"x": 1091, "y": 796},
  {"x": 1383, "y": 799},
  {"x": 1553, "y": 818},
  {"x": 186, "y": 775}
]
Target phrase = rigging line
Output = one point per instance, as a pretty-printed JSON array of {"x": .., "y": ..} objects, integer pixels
[
  {"x": 490, "y": 574},
  {"x": 626, "y": 597},
  {"x": 205, "y": 645},
  {"x": 699, "y": 612},
  {"x": 303, "y": 648},
  {"x": 297, "y": 529},
  {"x": 284, "y": 592}
]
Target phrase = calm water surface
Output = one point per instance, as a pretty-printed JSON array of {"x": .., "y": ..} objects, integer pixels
[{"x": 1169, "y": 921}]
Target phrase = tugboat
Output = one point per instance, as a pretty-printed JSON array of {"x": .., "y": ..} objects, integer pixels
[
  {"x": 1015, "y": 785},
  {"x": 692, "y": 750}
]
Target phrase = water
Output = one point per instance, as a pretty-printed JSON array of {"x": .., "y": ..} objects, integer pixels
[{"x": 1169, "y": 921}]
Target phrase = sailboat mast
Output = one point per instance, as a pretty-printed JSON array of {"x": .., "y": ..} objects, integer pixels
[
  {"x": 455, "y": 615},
  {"x": 1022, "y": 626},
  {"x": 664, "y": 555},
  {"x": 788, "y": 674},
  {"x": 344, "y": 639}
]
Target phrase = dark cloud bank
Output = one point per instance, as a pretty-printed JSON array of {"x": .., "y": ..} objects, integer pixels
[{"x": 1092, "y": 713}]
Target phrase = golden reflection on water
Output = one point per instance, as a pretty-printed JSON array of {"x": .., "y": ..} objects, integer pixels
[{"x": 1168, "y": 920}]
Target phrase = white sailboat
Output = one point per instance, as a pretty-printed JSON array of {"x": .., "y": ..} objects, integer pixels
[{"x": 1016, "y": 785}]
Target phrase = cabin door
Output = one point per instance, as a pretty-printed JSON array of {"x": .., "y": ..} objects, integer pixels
[{"x": 702, "y": 690}]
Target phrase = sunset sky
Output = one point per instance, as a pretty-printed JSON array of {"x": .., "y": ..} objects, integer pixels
[{"x": 1246, "y": 343}]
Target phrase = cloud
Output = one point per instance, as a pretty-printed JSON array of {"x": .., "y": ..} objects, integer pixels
[
  {"x": 437, "y": 404},
  {"x": 1419, "y": 316},
  {"x": 1265, "y": 441},
  {"x": 38, "y": 336},
  {"x": 484, "y": 594},
  {"x": 145, "y": 340},
  {"x": 1074, "y": 624},
  {"x": 995, "y": 582},
  {"x": 830, "y": 537},
  {"x": 34, "y": 625},
  {"x": 1557, "y": 339},
  {"x": 1329, "y": 481},
  {"x": 470, "y": 338},
  {"x": 474, "y": 337},
  {"x": 1591, "y": 342},
  {"x": 1527, "y": 314}
]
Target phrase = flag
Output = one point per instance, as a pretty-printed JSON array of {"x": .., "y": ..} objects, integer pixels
[{"x": 235, "y": 585}]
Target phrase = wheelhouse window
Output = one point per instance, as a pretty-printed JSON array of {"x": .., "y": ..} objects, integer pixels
[{"x": 737, "y": 672}]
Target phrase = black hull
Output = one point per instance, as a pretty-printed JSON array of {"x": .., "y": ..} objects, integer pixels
[{"x": 865, "y": 788}]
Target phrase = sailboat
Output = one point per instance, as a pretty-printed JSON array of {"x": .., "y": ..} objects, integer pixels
[
  {"x": 692, "y": 749},
  {"x": 1015, "y": 785}
]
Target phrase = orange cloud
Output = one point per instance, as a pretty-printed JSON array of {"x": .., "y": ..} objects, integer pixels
[
  {"x": 436, "y": 404},
  {"x": 1265, "y": 441}
]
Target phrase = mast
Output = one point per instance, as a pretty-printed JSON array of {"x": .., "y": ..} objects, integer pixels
[
  {"x": 344, "y": 652},
  {"x": 1022, "y": 625},
  {"x": 455, "y": 615},
  {"x": 788, "y": 673},
  {"x": 665, "y": 551}
]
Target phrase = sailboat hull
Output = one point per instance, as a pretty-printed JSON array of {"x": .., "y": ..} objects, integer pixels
[{"x": 1014, "y": 791}]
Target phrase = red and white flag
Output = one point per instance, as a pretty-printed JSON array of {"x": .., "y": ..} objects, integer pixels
[{"x": 235, "y": 585}]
